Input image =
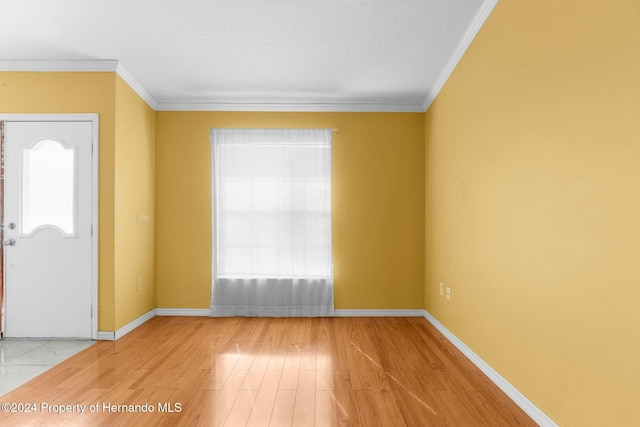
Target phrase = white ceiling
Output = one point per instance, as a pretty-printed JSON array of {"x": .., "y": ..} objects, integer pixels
[{"x": 296, "y": 55}]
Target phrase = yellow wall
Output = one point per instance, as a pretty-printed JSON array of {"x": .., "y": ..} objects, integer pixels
[
  {"x": 533, "y": 209},
  {"x": 378, "y": 205},
  {"x": 127, "y": 177},
  {"x": 378, "y": 195},
  {"x": 77, "y": 93},
  {"x": 135, "y": 128},
  {"x": 517, "y": 189}
]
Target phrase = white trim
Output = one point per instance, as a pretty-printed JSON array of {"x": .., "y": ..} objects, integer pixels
[
  {"x": 289, "y": 107},
  {"x": 101, "y": 65},
  {"x": 460, "y": 50},
  {"x": 106, "y": 65},
  {"x": 95, "y": 222},
  {"x": 136, "y": 86},
  {"x": 518, "y": 398},
  {"x": 134, "y": 324},
  {"x": 112, "y": 65},
  {"x": 379, "y": 313},
  {"x": 116, "y": 66},
  {"x": 198, "y": 312},
  {"x": 106, "y": 336},
  {"x": 46, "y": 117},
  {"x": 112, "y": 336},
  {"x": 94, "y": 119}
]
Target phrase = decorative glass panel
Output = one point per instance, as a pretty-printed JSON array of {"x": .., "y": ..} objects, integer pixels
[{"x": 48, "y": 192}]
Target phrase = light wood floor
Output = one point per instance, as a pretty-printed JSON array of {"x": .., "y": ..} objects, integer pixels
[{"x": 268, "y": 372}]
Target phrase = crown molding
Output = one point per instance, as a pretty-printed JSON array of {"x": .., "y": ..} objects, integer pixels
[
  {"x": 117, "y": 67},
  {"x": 112, "y": 65},
  {"x": 101, "y": 65},
  {"x": 98, "y": 65},
  {"x": 289, "y": 107},
  {"x": 136, "y": 86},
  {"x": 460, "y": 50}
]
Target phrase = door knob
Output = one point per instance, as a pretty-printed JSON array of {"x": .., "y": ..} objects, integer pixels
[{"x": 10, "y": 242}]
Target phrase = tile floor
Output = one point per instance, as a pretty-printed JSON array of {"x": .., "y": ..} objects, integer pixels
[{"x": 22, "y": 360}]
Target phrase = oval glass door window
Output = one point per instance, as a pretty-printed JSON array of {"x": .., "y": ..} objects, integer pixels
[{"x": 48, "y": 188}]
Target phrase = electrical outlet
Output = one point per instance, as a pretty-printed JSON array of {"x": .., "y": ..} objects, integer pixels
[
  {"x": 143, "y": 218},
  {"x": 441, "y": 289},
  {"x": 448, "y": 293},
  {"x": 139, "y": 285}
]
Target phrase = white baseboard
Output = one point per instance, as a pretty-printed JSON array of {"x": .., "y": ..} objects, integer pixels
[
  {"x": 106, "y": 336},
  {"x": 112, "y": 336},
  {"x": 378, "y": 313},
  {"x": 519, "y": 399},
  {"x": 182, "y": 312}
]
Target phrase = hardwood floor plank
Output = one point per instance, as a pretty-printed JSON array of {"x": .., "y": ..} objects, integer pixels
[
  {"x": 290, "y": 370},
  {"x": 325, "y": 409},
  {"x": 304, "y": 408},
  {"x": 227, "y": 396},
  {"x": 378, "y": 408},
  {"x": 307, "y": 348},
  {"x": 347, "y": 411},
  {"x": 322, "y": 336},
  {"x": 282, "y": 414},
  {"x": 270, "y": 372},
  {"x": 324, "y": 379},
  {"x": 242, "y": 407},
  {"x": 492, "y": 411},
  {"x": 416, "y": 411},
  {"x": 265, "y": 401},
  {"x": 256, "y": 372},
  {"x": 204, "y": 402}
]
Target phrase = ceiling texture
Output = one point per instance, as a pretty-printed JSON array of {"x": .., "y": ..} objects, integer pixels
[{"x": 257, "y": 55}]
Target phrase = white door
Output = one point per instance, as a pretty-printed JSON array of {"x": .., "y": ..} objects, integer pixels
[{"x": 48, "y": 229}]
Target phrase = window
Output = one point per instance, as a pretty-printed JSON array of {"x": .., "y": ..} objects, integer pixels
[
  {"x": 271, "y": 217},
  {"x": 48, "y": 188}
]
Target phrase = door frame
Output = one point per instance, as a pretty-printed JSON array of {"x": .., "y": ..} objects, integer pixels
[{"x": 94, "y": 119}]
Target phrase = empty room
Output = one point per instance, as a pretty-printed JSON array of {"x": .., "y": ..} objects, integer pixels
[{"x": 347, "y": 212}]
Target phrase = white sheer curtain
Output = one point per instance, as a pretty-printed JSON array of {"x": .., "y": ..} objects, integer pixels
[{"x": 271, "y": 222}]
